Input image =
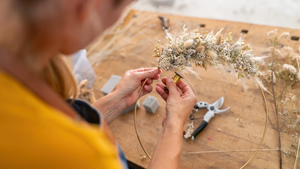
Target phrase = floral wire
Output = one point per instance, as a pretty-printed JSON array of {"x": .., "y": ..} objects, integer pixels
[
  {"x": 135, "y": 127},
  {"x": 265, "y": 130},
  {"x": 195, "y": 91}
]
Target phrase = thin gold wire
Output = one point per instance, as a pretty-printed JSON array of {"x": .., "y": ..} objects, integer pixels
[
  {"x": 265, "y": 130},
  {"x": 264, "y": 134},
  {"x": 136, "y": 132}
]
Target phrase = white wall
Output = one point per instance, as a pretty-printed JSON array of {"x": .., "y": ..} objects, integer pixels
[{"x": 281, "y": 13}]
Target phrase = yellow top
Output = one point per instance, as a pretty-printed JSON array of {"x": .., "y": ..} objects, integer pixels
[{"x": 34, "y": 135}]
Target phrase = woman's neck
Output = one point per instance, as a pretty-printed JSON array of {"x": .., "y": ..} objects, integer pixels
[{"x": 38, "y": 61}]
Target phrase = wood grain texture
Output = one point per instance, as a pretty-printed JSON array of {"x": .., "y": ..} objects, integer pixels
[{"x": 130, "y": 45}]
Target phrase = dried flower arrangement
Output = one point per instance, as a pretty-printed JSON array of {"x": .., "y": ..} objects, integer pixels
[
  {"x": 290, "y": 123},
  {"x": 203, "y": 48}
]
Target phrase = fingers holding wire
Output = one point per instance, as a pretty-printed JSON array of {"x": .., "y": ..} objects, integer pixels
[
  {"x": 164, "y": 80},
  {"x": 160, "y": 89}
]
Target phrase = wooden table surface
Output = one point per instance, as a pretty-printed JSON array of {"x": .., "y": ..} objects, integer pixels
[{"x": 130, "y": 44}]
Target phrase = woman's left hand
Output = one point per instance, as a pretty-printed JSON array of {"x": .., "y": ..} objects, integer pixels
[
  {"x": 126, "y": 92},
  {"x": 128, "y": 87}
]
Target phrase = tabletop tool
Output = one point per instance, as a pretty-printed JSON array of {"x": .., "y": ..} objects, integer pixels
[
  {"x": 164, "y": 22},
  {"x": 212, "y": 110}
]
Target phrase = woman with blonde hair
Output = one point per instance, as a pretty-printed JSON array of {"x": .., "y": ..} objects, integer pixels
[{"x": 38, "y": 128}]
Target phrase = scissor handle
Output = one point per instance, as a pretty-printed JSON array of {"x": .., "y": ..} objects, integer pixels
[{"x": 199, "y": 129}]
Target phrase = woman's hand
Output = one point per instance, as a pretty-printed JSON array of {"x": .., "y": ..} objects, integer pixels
[
  {"x": 128, "y": 87},
  {"x": 126, "y": 91},
  {"x": 180, "y": 102}
]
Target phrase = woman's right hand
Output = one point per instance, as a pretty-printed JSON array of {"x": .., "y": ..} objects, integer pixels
[{"x": 180, "y": 101}]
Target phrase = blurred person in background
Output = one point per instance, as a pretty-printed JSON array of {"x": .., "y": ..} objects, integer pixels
[{"x": 38, "y": 127}]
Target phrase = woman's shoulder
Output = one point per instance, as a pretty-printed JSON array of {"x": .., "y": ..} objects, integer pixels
[{"x": 34, "y": 135}]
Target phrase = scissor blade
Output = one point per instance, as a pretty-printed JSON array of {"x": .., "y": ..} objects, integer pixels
[
  {"x": 222, "y": 111},
  {"x": 218, "y": 103}
]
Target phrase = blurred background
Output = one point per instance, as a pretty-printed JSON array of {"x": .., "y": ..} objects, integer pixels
[{"x": 280, "y": 13}]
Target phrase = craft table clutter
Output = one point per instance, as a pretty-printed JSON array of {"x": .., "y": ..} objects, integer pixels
[{"x": 232, "y": 137}]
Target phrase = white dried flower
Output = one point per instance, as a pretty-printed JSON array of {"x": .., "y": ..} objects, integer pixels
[
  {"x": 267, "y": 76},
  {"x": 218, "y": 33},
  {"x": 287, "y": 51},
  {"x": 295, "y": 57},
  {"x": 180, "y": 60},
  {"x": 289, "y": 68},
  {"x": 188, "y": 43},
  {"x": 190, "y": 130},
  {"x": 278, "y": 54},
  {"x": 272, "y": 34},
  {"x": 284, "y": 35}
]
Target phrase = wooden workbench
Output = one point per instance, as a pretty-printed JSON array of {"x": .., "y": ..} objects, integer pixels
[{"x": 130, "y": 44}]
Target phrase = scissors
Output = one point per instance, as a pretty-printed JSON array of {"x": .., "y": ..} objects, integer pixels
[{"x": 212, "y": 110}]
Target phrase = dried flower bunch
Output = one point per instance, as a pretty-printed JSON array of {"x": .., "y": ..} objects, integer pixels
[
  {"x": 294, "y": 144},
  {"x": 290, "y": 122},
  {"x": 288, "y": 71},
  {"x": 190, "y": 130},
  {"x": 202, "y": 49}
]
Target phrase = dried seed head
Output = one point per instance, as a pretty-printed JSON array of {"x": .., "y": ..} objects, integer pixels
[
  {"x": 295, "y": 57},
  {"x": 287, "y": 51},
  {"x": 229, "y": 37},
  {"x": 245, "y": 47},
  {"x": 188, "y": 43},
  {"x": 211, "y": 54},
  {"x": 219, "y": 33},
  {"x": 284, "y": 35},
  {"x": 218, "y": 42},
  {"x": 272, "y": 34},
  {"x": 200, "y": 48},
  {"x": 196, "y": 31},
  {"x": 278, "y": 54}
]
